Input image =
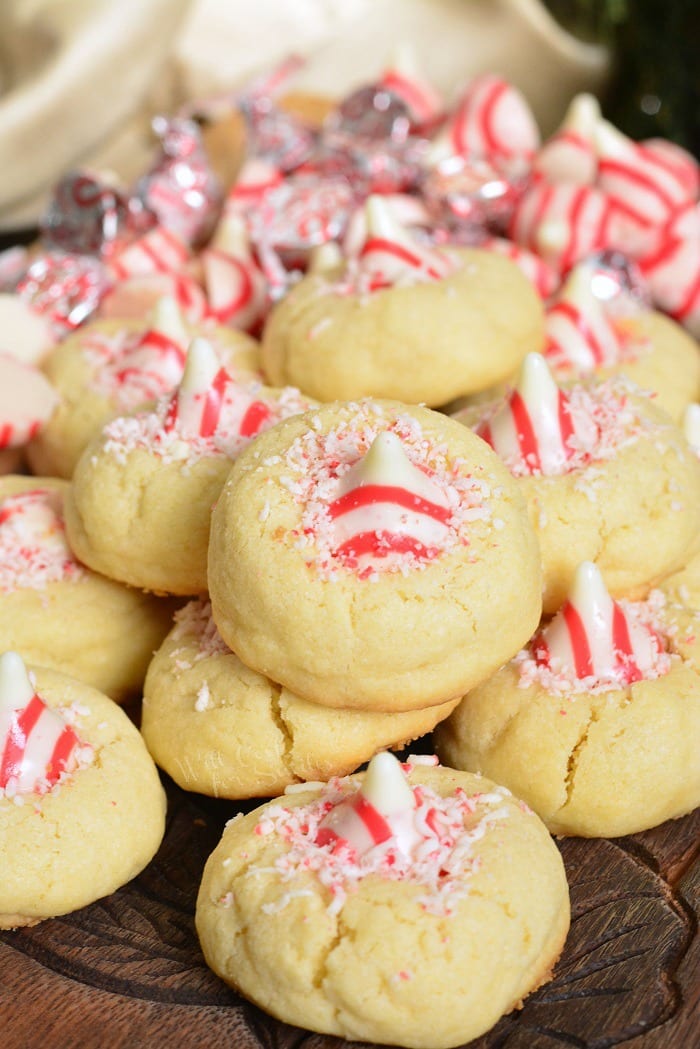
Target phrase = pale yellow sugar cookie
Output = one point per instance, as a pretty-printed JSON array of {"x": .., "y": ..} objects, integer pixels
[
  {"x": 61, "y": 614},
  {"x": 424, "y": 343},
  {"x": 596, "y": 759},
  {"x": 667, "y": 363},
  {"x": 96, "y": 828},
  {"x": 683, "y": 586},
  {"x": 93, "y": 386},
  {"x": 221, "y": 729},
  {"x": 373, "y": 945},
  {"x": 616, "y": 483},
  {"x": 373, "y": 555},
  {"x": 140, "y": 502}
]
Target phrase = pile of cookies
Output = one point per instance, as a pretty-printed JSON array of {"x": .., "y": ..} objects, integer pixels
[{"x": 398, "y": 435}]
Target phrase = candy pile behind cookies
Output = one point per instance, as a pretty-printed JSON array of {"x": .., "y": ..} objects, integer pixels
[{"x": 394, "y": 433}]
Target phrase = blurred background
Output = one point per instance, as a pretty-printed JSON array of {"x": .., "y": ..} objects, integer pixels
[{"x": 80, "y": 80}]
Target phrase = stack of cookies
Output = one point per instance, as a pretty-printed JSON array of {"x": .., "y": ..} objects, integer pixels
[{"x": 406, "y": 443}]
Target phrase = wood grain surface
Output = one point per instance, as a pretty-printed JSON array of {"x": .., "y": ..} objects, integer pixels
[{"x": 127, "y": 971}]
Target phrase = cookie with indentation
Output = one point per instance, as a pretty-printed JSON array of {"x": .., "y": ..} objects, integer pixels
[
  {"x": 607, "y": 476},
  {"x": 224, "y": 730},
  {"x": 412, "y": 905},
  {"x": 111, "y": 367},
  {"x": 82, "y": 810},
  {"x": 400, "y": 320},
  {"x": 59, "y": 613},
  {"x": 595, "y": 723},
  {"x": 373, "y": 555},
  {"x": 140, "y": 503}
]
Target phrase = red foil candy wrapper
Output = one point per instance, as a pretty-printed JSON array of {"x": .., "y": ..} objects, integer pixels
[
  {"x": 369, "y": 138},
  {"x": 86, "y": 216},
  {"x": 471, "y": 196},
  {"x": 279, "y": 137},
  {"x": 298, "y": 215},
  {"x": 66, "y": 289},
  {"x": 180, "y": 188},
  {"x": 615, "y": 278}
]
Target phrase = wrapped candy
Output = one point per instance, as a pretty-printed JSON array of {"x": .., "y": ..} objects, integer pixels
[
  {"x": 181, "y": 187},
  {"x": 296, "y": 217},
  {"x": 66, "y": 289},
  {"x": 88, "y": 216},
  {"x": 403, "y": 80},
  {"x": 471, "y": 196},
  {"x": 370, "y": 139}
]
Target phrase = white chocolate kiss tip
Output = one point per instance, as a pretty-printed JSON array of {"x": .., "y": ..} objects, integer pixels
[
  {"x": 612, "y": 143},
  {"x": 691, "y": 426},
  {"x": 583, "y": 115},
  {"x": 231, "y": 236},
  {"x": 386, "y": 463},
  {"x": 589, "y": 289},
  {"x": 167, "y": 319},
  {"x": 325, "y": 258},
  {"x": 589, "y": 593},
  {"x": 535, "y": 382},
  {"x": 16, "y": 690},
  {"x": 381, "y": 221},
  {"x": 385, "y": 786},
  {"x": 201, "y": 367}
]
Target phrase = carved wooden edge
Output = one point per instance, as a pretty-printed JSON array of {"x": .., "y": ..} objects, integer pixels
[{"x": 42, "y": 1008}]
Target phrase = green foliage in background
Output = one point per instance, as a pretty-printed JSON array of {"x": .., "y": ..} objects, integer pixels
[{"x": 655, "y": 84}]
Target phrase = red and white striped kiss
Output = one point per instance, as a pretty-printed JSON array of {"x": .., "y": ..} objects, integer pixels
[
  {"x": 580, "y": 335},
  {"x": 644, "y": 188},
  {"x": 157, "y": 251},
  {"x": 492, "y": 120},
  {"x": 208, "y": 399},
  {"x": 570, "y": 154},
  {"x": 593, "y": 637},
  {"x": 380, "y": 813},
  {"x": 562, "y": 223},
  {"x": 404, "y": 80},
  {"x": 256, "y": 178},
  {"x": 534, "y": 430},
  {"x": 537, "y": 271},
  {"x": 391, "y": 256},
  {"x": 155, "y": 363},
  {"x": 36, "y": 745},
  {"x": 236, "y": 286},
  {"x": 136, "y": 296},
  {"x": 672, "y": 268},
  {"x": 386, "y": 505}
]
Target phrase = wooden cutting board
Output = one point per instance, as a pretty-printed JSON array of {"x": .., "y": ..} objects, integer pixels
[{"x": 127, "y": 971}]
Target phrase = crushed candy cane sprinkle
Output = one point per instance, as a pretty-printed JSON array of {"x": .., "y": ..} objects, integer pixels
[
  {"x": 34, "y": 550},
  {"x": 597, "y": 420},
  {"x": 210, "y": 413},
  {"x": 194, "y": 625},
  {"x": 39, "y": 748},
  {"x": 379, "y": 495},
  {"x": 382, "y": 827}
]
